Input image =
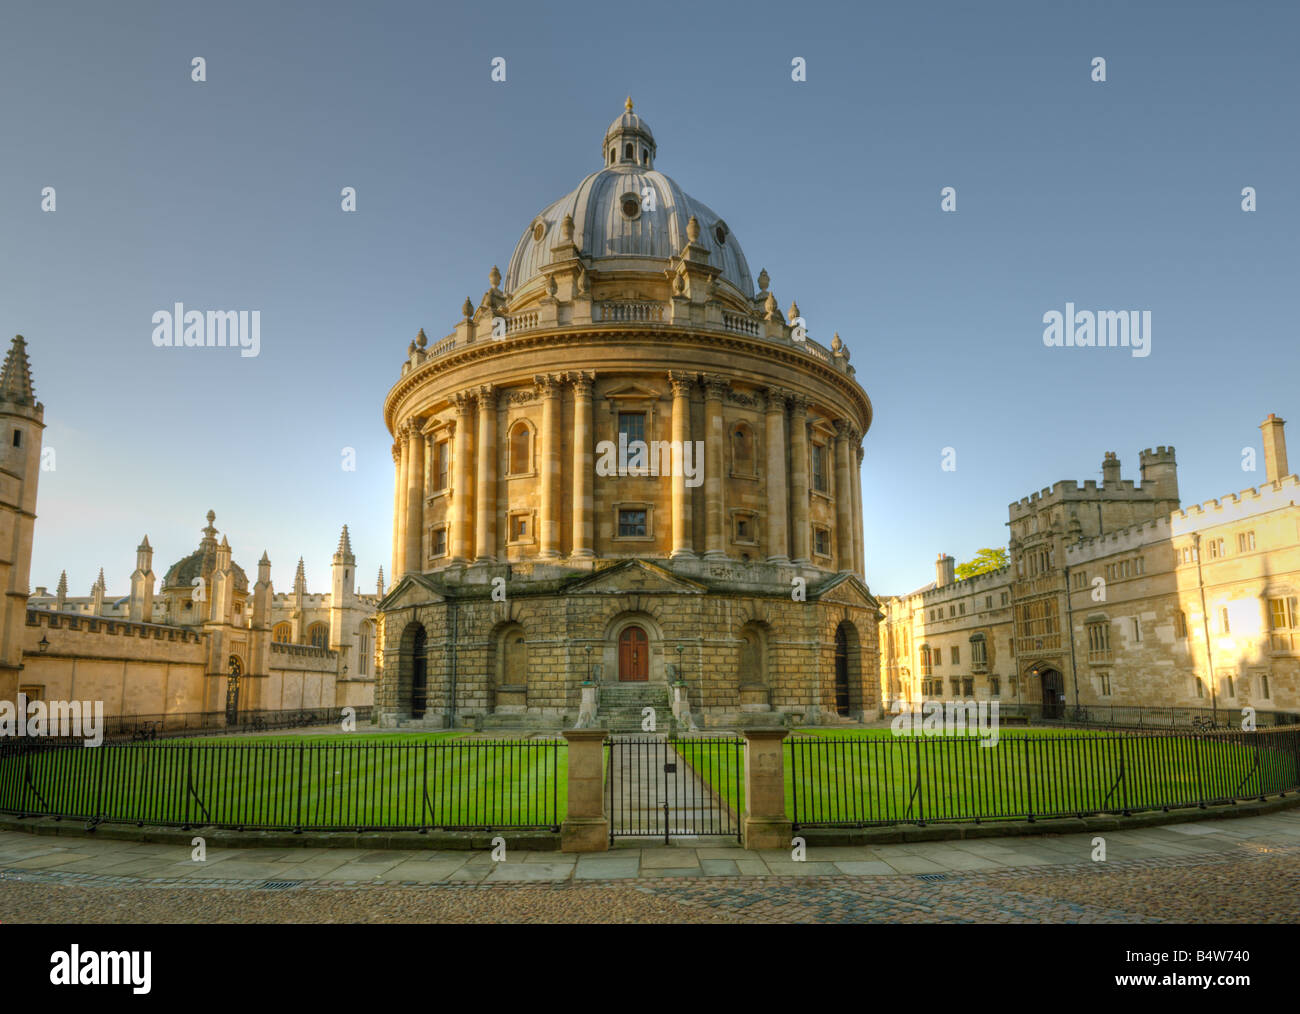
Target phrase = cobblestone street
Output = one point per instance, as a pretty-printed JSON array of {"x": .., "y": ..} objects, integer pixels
[{"x": 1245, "y": 870}]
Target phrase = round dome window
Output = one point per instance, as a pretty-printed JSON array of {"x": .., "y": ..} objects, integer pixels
[
  {"x": 720, "y": 233},
  {"x": 631, "y": 206},
  {"x": 539, "y": 230}
]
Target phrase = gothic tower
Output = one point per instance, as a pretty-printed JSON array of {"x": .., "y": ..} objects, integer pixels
[{"x": 22, "y": 420}]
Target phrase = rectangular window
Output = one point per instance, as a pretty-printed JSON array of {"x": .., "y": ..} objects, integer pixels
[
  {"x": 961, "y": 608},
  {"x": 819, "y": 467},
  {"x": 1180, "y": 624},
  {"x": 1099, "y": 641},
  {"x": 631, "y": 425},
  {"x": 1245, "y": 542},
  {"x": 518, "y": 527},
  {"x": 1215, "y": 546},
  {"x": 1137, "y": 630},
  {"x": 1282, "y": 615},
  {"x": 18, "y": 438},
  {"x": 995, "y": 687},
  {"x": 1004, "y": 598},
  {"x": 1263, "y": 686},
  {"x": 978, "y": 651},
  {"x": 631, "y": 523},
  {"x": 988, "y": 602},
  {"x": 956, "y": 687},
  {"x": 1229, "y": 688},
  {"x": 742, "y": 529},
  {"x": 438, "y": 542},
  {"x": 1200, "y": 686},
  {"x": 968, "y": 687},
  {"x": 822, "y": 541},
  {"x": 952, "y": 611},
  {"x": 440, "y": 463},
  {"x": 1223, "y": 621},
  {"x": 937, "y": 656}
]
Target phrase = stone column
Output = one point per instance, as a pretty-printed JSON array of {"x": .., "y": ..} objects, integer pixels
[
  {"x": 801, "y": 542},
  {"x": 715, "y": 440},
  {"x": 549, "y": 466},
  {"x": 414, "y": 496},
  {"x": 683, "y": 539},
  {"x": 584, "y": 506},
  {"x": 485, "y": 546},
  {"x": 859, "y": 537},
  {"x": 586, "y": 828},
  {"x": 461, "y": 527},
  {"x": 844, "y": 541},
  {"x": 777, "y": 496},
  {"x": 399, "y": 508},
  {"x": 766, "y": 824}
]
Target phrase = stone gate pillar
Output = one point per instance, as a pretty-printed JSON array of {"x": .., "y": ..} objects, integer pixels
[
  {"x": 766, "y": 824},
  {"x": 585, "y": 827}
]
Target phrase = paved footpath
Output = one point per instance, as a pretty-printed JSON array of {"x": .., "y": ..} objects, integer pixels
[{"x": 1242, "y": 870}]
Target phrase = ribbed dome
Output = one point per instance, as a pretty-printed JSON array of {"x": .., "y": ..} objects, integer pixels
[
  {"x": 202, "y": 562},
  {"x": 610, "y": 221}
]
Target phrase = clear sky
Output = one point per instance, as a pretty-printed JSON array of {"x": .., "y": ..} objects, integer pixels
[{"x": 225, "y": 194}]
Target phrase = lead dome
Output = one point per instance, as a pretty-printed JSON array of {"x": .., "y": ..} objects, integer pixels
[{"x": 628, "y": 216}]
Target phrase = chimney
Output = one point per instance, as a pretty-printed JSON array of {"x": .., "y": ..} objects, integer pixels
[
  {"x": 943, "y": 570},
  {"x": 1110, "y": 469},
  {"x": 1274, "y": 447}
]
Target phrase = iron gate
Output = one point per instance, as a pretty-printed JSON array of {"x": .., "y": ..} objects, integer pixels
[{"x": 660, "y": 787}]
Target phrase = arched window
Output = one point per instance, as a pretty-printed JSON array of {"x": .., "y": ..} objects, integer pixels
[
  {"x": 611, "y": 156},
  {"x": 645, "y": 156},
  {"x": 363, "y": 649},
  {"x": 627, "y": 153},
  {"x": 282, "y": 633},
  {"x": 742, "y": 450},
  {"x": 520, "y": 440},
  {"x": 318, "y": 635}
]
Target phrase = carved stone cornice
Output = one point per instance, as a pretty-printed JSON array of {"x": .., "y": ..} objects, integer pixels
[
  {"x": 522, "y": 396},
  {"x": 736, "y": 398}
]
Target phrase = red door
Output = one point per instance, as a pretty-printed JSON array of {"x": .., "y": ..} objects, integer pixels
[{"x": 633, "y": 655}]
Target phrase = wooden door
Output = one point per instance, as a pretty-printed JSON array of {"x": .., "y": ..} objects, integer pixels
[{"x": 633, "y": 655}]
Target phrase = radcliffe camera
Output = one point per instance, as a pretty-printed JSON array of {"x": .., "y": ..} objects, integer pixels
[{"x": 703, "y": 466}]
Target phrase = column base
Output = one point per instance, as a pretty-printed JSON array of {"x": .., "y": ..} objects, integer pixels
[
  {"x": 585, "y": 834},
  {"x": 772, "y": 833},
  {"x": 778, "y": 559},
  {"x": 583, "y": 554},
  {"x": 714, "y": 554},
  {"x": 484, "y": 561},
  {"x": 682, "y": 554}
]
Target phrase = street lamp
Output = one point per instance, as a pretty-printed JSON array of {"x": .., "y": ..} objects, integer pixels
[
  {"x": 587, "y": 681},
  {"x": 680, "y": 677},
  {"x": 44, "y": 644}
]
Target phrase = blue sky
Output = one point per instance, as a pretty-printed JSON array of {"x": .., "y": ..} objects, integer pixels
[{"x": 225, "y": 194}]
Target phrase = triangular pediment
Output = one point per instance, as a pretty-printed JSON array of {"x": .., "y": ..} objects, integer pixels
[
  {"x": 411, "y": 590},
  {"x": 639, "y": 576},
  {"x": 845, "y": 589},
  {"x": 634, "y": 392}
]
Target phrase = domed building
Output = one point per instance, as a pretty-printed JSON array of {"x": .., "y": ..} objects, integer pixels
[{"x": 626, "y": 467}]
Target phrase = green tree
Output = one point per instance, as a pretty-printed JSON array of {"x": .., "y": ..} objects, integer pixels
[{"x": 985, "y": 561}]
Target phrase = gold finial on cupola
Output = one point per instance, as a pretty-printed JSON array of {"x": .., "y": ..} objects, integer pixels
[{"x": 628, "y": 104}]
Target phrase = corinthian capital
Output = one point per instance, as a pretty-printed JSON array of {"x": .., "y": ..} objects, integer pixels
[
  {"x": 464, "y": 402},
  {"x": 716, "y": 386},
  {"x": 548, "y": 384},
  {"x": 774, "y": 399},
  {"x": 583, "y": 381},
  {"x": 682, "y": 383}
]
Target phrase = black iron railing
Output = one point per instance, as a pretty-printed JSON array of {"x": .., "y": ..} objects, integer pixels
[
  {"x": 194, "y": 723},
  {"x": 875, "y": 780},
  {"x": 1124, "y": 716},
  {"x": 285, "y": 786},
  {"x": 660, "y": 788}
]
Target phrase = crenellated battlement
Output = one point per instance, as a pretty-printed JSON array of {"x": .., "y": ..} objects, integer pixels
[
  {"x": 1250, "y": 502},
  {"x": 51, "y": 620},
  {"x": 1132, "y": 537}
]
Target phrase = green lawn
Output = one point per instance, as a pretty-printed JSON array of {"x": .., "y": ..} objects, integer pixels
[
  {"x": 870, "y": 776},
  {"x": 330, "y": 781}
]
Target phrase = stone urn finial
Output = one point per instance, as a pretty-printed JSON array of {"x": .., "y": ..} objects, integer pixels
[
  {"x": 794, "y": 310},
  {"x": 551, "y": 287},
  {"x": 836, "y": 344},
  {"x": 566, "y": 228},
  {"x": 410, "y": 349},
  {"x": 420, "y": 339},
  {"x": 468, "y": 308},
  {"x": 494, "y": 277},
  {"x": 763, "y": 280},
  {"x": 693, "y": 229},
  {"x": 769, "y": 304}
]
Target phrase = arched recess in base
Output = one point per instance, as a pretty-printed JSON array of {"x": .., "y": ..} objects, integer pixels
[{"x": 413, "y": 671}]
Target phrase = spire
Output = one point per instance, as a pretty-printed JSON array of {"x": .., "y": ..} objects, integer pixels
[
  {"x": 16, "y": 376},
  {"x": 628, "y": 104},
  {"x": 62, "y": 590},
  {"x": 380, "y": 586},
  {"x": 300, "y": 580},
  {"x": 99, "y": 581},
  {"x": 144, "y": 545}
]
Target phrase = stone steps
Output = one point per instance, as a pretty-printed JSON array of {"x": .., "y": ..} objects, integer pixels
[{"x": 621, "y": 708}]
